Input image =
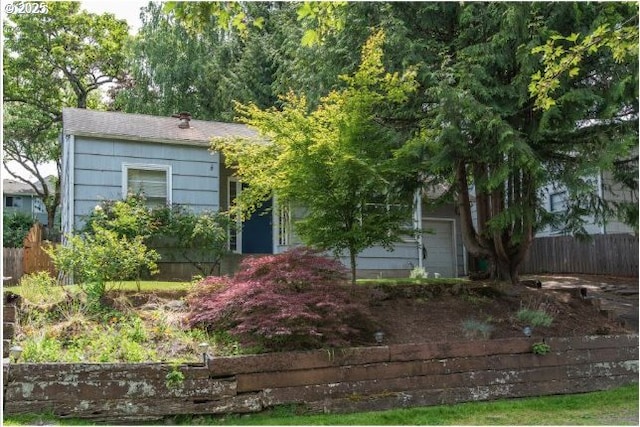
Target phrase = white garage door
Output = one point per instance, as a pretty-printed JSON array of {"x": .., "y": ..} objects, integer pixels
[{"x": 437, "y": 239}]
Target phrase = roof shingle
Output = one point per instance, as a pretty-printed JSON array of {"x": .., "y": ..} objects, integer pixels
[{"x": 83, "y": 122}]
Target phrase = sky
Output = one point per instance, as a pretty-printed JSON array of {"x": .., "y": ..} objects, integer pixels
[{"x": 128, "y": 10}]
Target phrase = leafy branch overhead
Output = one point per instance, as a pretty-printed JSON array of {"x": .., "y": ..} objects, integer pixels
[{"x": 564, "y": 56}]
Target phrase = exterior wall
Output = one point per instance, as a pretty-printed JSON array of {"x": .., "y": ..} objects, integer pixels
[
  {"x": 30, "y": 205},
  {"x": 97, "y": 169},
  {"x": 377, "y": 262},
  {"x": 344, "y": 380},
  {"x": 610, "y": 190},
  {"x": 615, "y": 192}
]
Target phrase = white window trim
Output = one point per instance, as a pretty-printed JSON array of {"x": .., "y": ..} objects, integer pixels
[
  {"x": 147, "y": 166},
  {"x": 238, "y": 184}
]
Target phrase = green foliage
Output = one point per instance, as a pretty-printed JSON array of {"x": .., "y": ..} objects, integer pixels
[
  {"x": 540, "y": 348},
  {"x": 174, "y": 378},
  {"x": 53, "y": 60},
  {"x": 418, "y": 273},
  {"x": 474, "y": 328},
  {"x": 200, "y": 238},
  {"x": 94, "y": 259},
  {"x": 534, "y": 317},
  {"x": 213, "y": 66},
  {"x": 15, "y": 227},
  {"x": 335, "y": 161},
  {"x": 40, "y": 288},
  {"x": 565, "y": 55}
]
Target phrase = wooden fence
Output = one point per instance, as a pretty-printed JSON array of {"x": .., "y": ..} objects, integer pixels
[
  {"x": 612, "y": 254},
  {"x": 12, "y": 265},
  {"x": 29, "y": 259}
]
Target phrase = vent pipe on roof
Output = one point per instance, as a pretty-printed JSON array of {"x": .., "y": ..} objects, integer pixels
[{"x": 184, "y": 119}]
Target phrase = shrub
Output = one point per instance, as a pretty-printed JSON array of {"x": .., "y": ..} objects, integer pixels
[
  {"x": 15, "y": 228},
  {"x": 476, "y": 328},
  {"x": 199, "y": 238},
  {"x": 40, "y": 288},
  {"x": 291, "y": 301},
  {"x": 534, "y": 317},
  {"x": 102, "y": 257},
  {"x": 418, "y": 273}
]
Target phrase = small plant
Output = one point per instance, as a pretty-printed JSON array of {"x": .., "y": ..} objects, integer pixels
[
  {"x": 534, "y": 317},
  {"x": 174, "y": 378},
  {"x": 40, "y": 289},
  {"x": 418, "y": 273},
  {"x": 540, "y": 348},
  {"x": 475, "y": 328}
]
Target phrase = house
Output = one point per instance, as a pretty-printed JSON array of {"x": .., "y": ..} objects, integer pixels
[
  {"x": 607, "y": 188},
  {"x": 106, "y": 155},
  {"x": 20, "y": 197}
]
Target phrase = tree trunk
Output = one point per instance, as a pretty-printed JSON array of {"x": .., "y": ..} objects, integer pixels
[{"x": 352, "y": 259}]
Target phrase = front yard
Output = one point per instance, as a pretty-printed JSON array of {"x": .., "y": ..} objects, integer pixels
[{"x": 135, "y": 325}]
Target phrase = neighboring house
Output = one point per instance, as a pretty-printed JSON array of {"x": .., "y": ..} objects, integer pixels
[
  {"x": 109, "y": 154},
  {"x": 20, "y": 197},
  {"x": 607, "y": 188}
]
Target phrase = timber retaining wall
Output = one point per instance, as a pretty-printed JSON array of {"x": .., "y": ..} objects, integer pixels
[{"x": 341, "y": 380}]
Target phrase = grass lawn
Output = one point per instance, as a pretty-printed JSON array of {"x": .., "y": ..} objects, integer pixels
[
  {"x": 613, "y": 407},
  {"x": 145, "y": 286}
]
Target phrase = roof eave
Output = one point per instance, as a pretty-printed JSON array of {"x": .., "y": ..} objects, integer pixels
[{"x": 190, "y": 142}]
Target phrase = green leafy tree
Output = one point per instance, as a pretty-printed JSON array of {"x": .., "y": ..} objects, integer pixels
[
  {"x": 208, "y": 70},
  {"x": 335, "y": 161},
  {"x": 53, "y": 60},
  {"x": 615, "y": 34}
]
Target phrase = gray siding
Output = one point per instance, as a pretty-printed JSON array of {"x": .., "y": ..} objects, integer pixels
[
  {"x": 378, "y": 262},
  {"x": 98, "y": 165}
]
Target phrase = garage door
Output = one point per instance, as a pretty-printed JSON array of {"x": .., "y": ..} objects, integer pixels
[{"x": 437, "y": 239}]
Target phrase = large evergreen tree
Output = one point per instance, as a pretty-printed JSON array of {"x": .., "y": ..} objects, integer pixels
[
  {"x": 484, "y": 135},
  {"x": 174, "y": 68},
  {"x": 478, "y": 129}
]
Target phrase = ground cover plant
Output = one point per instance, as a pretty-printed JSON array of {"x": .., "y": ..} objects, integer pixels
[{"x": 60, "y": 324}]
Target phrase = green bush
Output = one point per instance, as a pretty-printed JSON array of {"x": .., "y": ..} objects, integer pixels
[
  {"x": 40, "y": 288},
  {"x": 534, "y": 317},
  {"x": 98, "y": 258},
  {"x": 15, "y": 228}
]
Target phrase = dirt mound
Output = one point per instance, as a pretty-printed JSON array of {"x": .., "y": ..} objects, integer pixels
[{"x": 422, "y": 313}]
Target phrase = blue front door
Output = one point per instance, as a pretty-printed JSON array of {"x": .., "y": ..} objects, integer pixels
[{"x": 257, "y": 231}]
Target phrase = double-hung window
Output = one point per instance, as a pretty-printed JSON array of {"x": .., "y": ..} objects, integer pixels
[{"x": 153, "y": 182}]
